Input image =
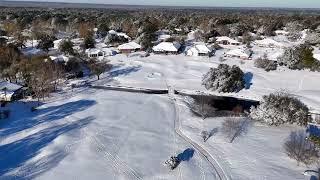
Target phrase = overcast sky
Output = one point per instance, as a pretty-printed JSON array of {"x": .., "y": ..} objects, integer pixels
[{"x": 226, "y": 3}]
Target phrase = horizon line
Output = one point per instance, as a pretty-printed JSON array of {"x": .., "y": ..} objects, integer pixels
[{"x": 161, "y": 6}]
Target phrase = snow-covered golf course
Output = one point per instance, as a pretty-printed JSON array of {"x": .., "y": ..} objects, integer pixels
[
  {"x": 97, "y": 134},
  {"x": 89, "y": 133}
]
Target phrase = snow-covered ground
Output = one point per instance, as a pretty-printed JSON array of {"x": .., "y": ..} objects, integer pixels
[
  {"x": 258, "y": 154},
  {"x": 185, "y": 73},
  {"x": 97, "y": 134}
]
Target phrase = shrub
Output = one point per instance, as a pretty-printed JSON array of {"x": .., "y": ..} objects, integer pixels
[
  {"x": 298, "y": 147},
  {"x": 280, "y": 108},
  {"x": 224, "y": 79},
  {"x": 265, "y": 64}
]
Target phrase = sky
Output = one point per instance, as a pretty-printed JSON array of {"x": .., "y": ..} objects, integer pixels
[{"x": 214, "y": 3}]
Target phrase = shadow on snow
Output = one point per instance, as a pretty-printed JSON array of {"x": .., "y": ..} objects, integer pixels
[
  {"x": 21, "y": 118},
  {"x": 186, "y": 155},
  {"x": 17, "y": 155}
]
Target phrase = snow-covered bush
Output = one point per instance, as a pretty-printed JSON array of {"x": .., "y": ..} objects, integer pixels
[
  {"x": 280, "y": 108},
  {"x": 313, "y": 38},
  {"x": 265, "y": 63},
  {"x": 224, "y": 79},
  {"x": 298, "y": 147},
  {"x": 299, "y": 57}
]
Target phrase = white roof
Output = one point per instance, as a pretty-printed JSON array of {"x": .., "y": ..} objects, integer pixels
[
  {"x": 60, "y": 58},
  {"x": 93, "y": 51},
  {"x": 119, "y": 34},
  {"x": 164, "y": 36},
  {"x": 281, "y": 32},
  {"x": 167, "y": 46},
  {"x": 202, "y": 48},
  {"x": 129, "y": 45},
  {"x": 226, "y": 38},
  {"x": 192, "y": 52},
  {"x": 57, "y": 41},
  {"x": 316, "y": 56},
  {"x": 77, "y": 40},
  {"x": 274, "y": 56},
  {"x": 238, "y": 52},
  {"x": 112, "y": 32},
  {"x": 268, "y": 42},
  {"x": 11, "y": 87}
]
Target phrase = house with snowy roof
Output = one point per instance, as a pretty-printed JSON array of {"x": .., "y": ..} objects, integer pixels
[
  {"x": 59, "y": 59},
  {"x": 268, "y": 43},
  {"x": 10, "y": 91},
  {"x": 281, "y": 32},
  {"x": 239, "y": 53},
  {"x": 199, "y": 50},
  {"x": 56, "y": 43},
  {"x": 167, "y": 47},
  {"x": 224, "y": 40},
  {"x": 94, "y": 53},
  {"x": 316, "y": 56},
  {"x": 129, "y": 47}
]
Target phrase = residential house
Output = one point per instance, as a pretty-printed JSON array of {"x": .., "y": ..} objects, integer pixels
[
  {"x": 224, "y": 40},
  {"x": 167, "y": 47},
  {"x": 10, "y": 91},
  {"x": 129, "y": 47},
  {"x": 239, "y": 53},
  {"x": 268, "y": 43},
  {"x": 199, "y": 50}
]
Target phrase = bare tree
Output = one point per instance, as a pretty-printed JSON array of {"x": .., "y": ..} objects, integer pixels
[
  {"x": 233, "y": 127},
  {"x": 298, "y": 147},
  {"x": 201, "y": 106},
  {"x": 205, "y": 108},
  {"x": 98, "y": 68},
  {"x": 206, "y": 134}
]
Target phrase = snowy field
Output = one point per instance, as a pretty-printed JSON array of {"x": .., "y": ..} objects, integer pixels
[
  {"x": 256, "y": 155},
  {"x": 185, "y": 73},
  {"x": 94, "y": 134},
  {"x": 97, "y": 134}
]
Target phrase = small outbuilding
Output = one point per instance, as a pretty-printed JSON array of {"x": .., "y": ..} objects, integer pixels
[
  {"x": 94, "y": 53},
  {"x": 167, "y": 47},
  {"x": 281, "y": 32},
  {"x": 59, "y": 59},
  {"x": 10, "y": 91},
  {"x": 224, "y": 40}
]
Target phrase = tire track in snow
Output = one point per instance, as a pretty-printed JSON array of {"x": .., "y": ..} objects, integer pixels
[
  {"x": 216, "y": 166},
  {"x": 222, "y": 175},
  {"x": 114, "y": 160},
  {"x": 177, "y": 124}
]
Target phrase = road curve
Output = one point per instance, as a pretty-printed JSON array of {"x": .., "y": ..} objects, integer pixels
[{"x": 177, "y": 127}]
